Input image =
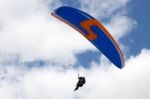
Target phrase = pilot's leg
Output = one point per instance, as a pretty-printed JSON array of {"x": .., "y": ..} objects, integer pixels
[{"x": 76, "y": 88}]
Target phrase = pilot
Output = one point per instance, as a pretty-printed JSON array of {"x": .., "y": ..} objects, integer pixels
[{"x": 80, "y": 83}]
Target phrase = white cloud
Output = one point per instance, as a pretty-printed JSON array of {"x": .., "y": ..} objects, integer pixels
[
  {"x": 28, "y": 29},
  {"x": 38, "y": 83},
  {"x": 102, "y": 8},
  {"x": 120, "y": 26}
]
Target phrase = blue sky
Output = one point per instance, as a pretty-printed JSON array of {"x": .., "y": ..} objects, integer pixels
[
  {"x": 40, "y": 56},
  {"x": 139, "y": 37}
]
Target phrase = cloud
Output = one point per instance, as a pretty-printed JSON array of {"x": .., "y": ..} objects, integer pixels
[
  {"x": 120, "y": 25},
  {"x": 29, "y": 30},
  {"x": 103, "y": 8},
  {"x": 128, "y": 83},
  {"x": 38, "y": 83}
]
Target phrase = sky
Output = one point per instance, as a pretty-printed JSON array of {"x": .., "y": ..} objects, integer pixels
[
  {"x": 40, "y": 56},
  {"x": 139, "y": 38}
]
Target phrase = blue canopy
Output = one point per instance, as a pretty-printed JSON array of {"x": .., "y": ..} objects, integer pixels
[{"x": 94, "y": 31}]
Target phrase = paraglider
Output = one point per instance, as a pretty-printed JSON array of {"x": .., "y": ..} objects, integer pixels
[
  {"x": 80, "y": 83},
  {"x": 94, "y": 31}
]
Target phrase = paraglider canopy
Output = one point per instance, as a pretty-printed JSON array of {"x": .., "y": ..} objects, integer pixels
[{"x": 94, "y": 31}]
